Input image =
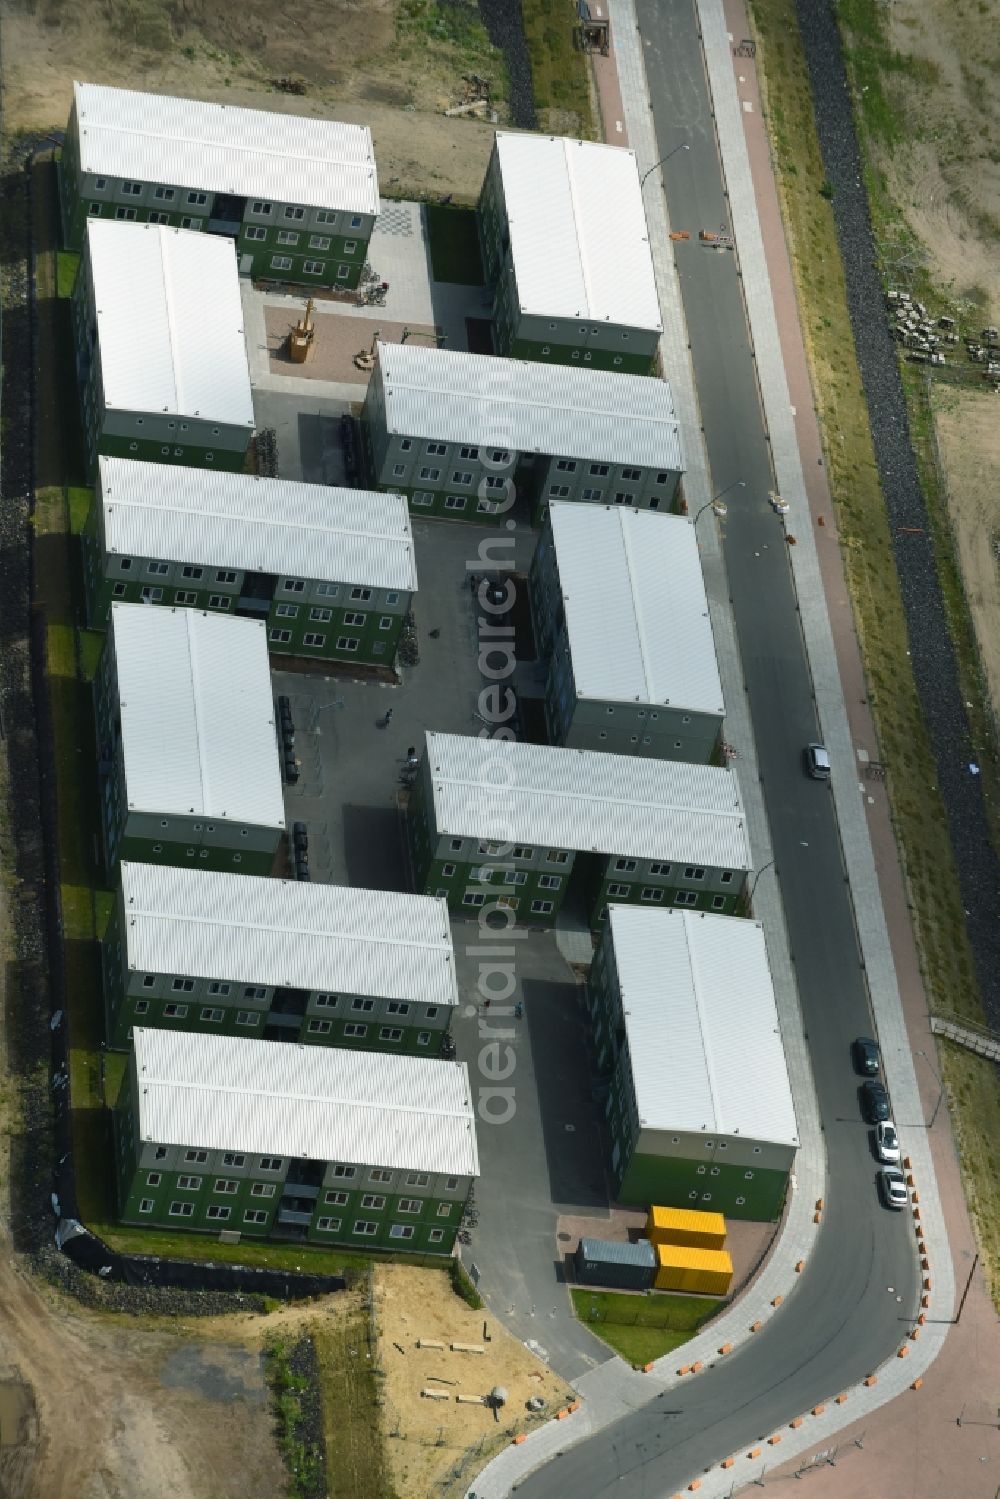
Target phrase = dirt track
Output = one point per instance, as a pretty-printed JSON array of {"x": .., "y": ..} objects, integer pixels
[{"x": 123, "y": 1413}]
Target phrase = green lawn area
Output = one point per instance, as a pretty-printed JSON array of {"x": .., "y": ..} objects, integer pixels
[
  {"x": 80, "y": 501},
  {"x": 351, "y": 1397},
  {"x": 454, "y": 244},
  {"x": 560, "y": 73},
  {"x": 643, "y": 1328},
  {"x": 67, "y": 262}
]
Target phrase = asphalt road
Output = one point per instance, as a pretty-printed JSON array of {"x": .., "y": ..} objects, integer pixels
[{"x": 859, "y": 1289}]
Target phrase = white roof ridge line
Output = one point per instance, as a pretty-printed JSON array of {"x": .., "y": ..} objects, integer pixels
[
  {"x": 688, "y": 919},
  {"x": 168, "y": 307},
  {"x": 264, "y": 929},
  {"x": 584, "y": 268},
  {"x": 276, "y": 524},
  {"x": 87, "y": 125},
  {"x": 552, "y": 791},
  {"x": 402, "y": 383},
  {"x": 191, "y": 1086},
  {"x": 634, "y": 596},
  {"x": 196, "y": 713}
]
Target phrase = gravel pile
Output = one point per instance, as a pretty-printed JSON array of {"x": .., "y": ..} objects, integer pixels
[
  {"x": 931, "y": 651},
  {"x": 505, "y": 28}
]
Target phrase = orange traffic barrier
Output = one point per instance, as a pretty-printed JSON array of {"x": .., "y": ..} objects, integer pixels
[
  {"x": 841, "y": 1399},
  {"x": 902, "y": 1352},
  {"x": 574, "y": 1407},
  {"x": 914, "y": 1196},
  {"x": 925, "y": 1301},
  {"x": 773, "y": 1441},
  {"x": 927, "y": 1283},
  {"x": 684, "y": 1369},
  {"x": 519, "y": 1439},
  {"x": 817, "y": 1217},
  {"x": 907, "y": 1163},
  {"x": 727, "y": 1462},
  {"x": 914, "y": 1334},
  {"x": 921, "y": 1319},
  {"x": 800, "y": 1265},
  {"x": 909, "y": 1179},
  {"x": 693, "y": 1485},
  {"x": 696, "y": 1366},
  {"x": 561, "y": 1415},
  {"x": 754, "y": 1452},
  {"x": 916, "y": 1384},
  {"x": 916, "y": 1215},
  {"x": 726, "y": 1348},
  {"x": 777, "y": 1300},
  {"x": 755, "y": 1326},
  {"x": 680, "y": 234},
  {"x": 818, "y": 1410},
  {"x": 819, "y": 1204},
  {"x": 872, "y": 1379},
  {"x": 797, "y": 1422}
]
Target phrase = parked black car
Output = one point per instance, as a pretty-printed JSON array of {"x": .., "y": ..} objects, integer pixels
[
  {"x": 874, "y": 1102},
  {"x": 865, "y": 1054}
]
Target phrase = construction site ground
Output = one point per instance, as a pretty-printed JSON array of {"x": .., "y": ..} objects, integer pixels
[
  {"x": 428, "y": 1439},
  {"x": 348, "y": 56},
  {"x": 338, "y": 340}
]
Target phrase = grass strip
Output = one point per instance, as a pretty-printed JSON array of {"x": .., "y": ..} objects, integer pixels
[
  {"x": 918, "y": 813},
  {"x": 643, "y": 1328},
  {"x": 560, "y": 76},
  {"x": 351, "y": 1396}
]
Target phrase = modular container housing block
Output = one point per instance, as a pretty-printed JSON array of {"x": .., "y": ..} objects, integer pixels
[
  {"x": 160, "y": 353},
  {"x": 700, "y": 1111},
  {"x": 502, "y": 822},
  {"x": 187, "y": 749},
  {"x": 308, "y": 1143},
  {"x": 619, "y": 607},
  {"x": 330, "y": 571},
  {"x": 468, "y": 436},
  {"x": 298, "y": 196},
  {"x": 564, "y": 241},
  {"x": 191, "y": 949}
]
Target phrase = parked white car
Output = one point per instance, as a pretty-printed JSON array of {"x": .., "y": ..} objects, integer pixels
[{"x": 887, "y": 1143}]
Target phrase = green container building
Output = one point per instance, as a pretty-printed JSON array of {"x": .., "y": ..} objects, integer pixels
[
  {"x": 218, "y": 1134},
  {"x": 192, "y": 949},
  {"x": 467, "y": 435},
  {"x": 331, "y": 572},
  {"x": 565, "y": 245},
  {"x": 297, "y": 196},
  {"x": 187, "y": 747},
  {"x": 700, "y": 1110},
  {"x": 527, "y": 827},
  {"x": 620, "y": 611},
  {"x": 161, "y": 358}
]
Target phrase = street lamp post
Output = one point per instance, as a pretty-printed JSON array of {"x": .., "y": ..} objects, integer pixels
[
  {"x": 940, "y": 1084},
  {"x": 762, "y": 870},
  {"x": 716, "y": 503},
  {"x": 682, "y": 147}
]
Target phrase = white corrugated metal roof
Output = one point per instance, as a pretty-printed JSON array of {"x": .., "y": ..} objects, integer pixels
[
  {"x": 248, "y": 929},
  {"x": 197, "y": 715},
  {"x": 702, "y": 1025},
  {"x": 579, "y": 242},
  {"x": 447, "y": 395},
  {"x": 170, "y": 322},
  {"x": 322, "y": 1102},
  {"x": 637, "y": 617},
  {"x": 580, "y": 799},
  {"x": 220, "y": 148},
  {"x": 198, "y": 515}
]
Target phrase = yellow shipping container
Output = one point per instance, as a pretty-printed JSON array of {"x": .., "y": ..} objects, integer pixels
[
  {"x": 682, "y": 1226},
  {"x": 680, "y": 1268}
]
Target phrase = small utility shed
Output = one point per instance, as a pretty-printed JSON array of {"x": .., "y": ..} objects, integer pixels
[
  {"x": 330, "y": 571},
  {"x": 194, "y": 949},
  {"x": 187, "y": 750},
  {"x": 160, "y": 353},
  {"x": 564, "y": 238},
  {"x": 618, "y": 603},
  {"x": 294, "y": 1142},
  {"x": 606, "y": 1262},
  {"x": 465, "y": 435},
  {"x": 700, "y": 1108}
]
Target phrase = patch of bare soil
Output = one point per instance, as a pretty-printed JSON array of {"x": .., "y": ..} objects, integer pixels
[
  {"x": 968, "y": 429},
  {"x": 346, "y": 53},
  {"x": 947, "y": 180},
  {"x": 428, "y": 1438}
]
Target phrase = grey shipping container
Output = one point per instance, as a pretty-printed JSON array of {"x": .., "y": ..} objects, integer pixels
[{"x": 625, "y": 1267}]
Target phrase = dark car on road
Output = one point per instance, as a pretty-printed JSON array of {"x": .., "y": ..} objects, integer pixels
[
  {"x": 865, "y": 1054},
  {"x": 874, "y": 1102}
]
